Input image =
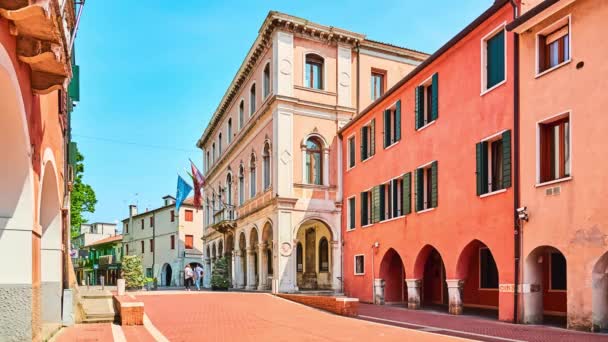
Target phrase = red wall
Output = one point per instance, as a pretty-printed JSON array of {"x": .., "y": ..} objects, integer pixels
[{"x": 465, "y": 118}]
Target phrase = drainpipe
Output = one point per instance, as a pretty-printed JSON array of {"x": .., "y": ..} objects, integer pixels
[
  {"x": 358, "y": 74},
  {"x": 517, "y": 238}
]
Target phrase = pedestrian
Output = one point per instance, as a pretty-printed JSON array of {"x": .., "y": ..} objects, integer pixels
[
  {"x": 198, "y": 273},
  {"x": 188, "y": 274}
]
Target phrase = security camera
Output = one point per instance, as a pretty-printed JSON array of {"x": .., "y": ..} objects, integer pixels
[
  {"x": 376, "y": 244},
  {"x": 522, "y": 213}
]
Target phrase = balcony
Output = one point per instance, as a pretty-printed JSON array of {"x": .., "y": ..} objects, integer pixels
[
  {"x": 44, "y": 39},
  {"x": 224, "y": 220},
  {"x": 106, "y": 260}
]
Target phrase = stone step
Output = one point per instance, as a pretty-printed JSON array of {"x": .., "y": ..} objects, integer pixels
[{"x": 98, "y": 320}]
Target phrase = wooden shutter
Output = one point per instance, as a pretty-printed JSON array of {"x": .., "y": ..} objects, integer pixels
[
  {"x": 398, "y": 121},
  {"x": 479, "y": 168},
  {"x": 372, "y": 135},
  {"x": 387, "y": 128},
  {"x": 506, "y": 159},
  {"x": 495, "y": 55},
  {"x": 482, "y": 168},
  {"x": 419, "y": 185},
  {"x": 363, "y": 144},
  {"x": 435, "y": 97},
  {"x": 419, "y": 112},
  {"x": 375, "y": 204},
  {"x": 351, "y": 152},
  {"x": 364, "y": 206},
  {"x": 382, "y": 202},
  {"x": 407, "y": 193},
  {"x": 395, "y": 197},
  {"x": 434, "y": 185}
]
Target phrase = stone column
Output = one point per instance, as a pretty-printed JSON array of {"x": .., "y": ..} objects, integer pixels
[
  {"x": 233, "y": 269},
  {"x": 325, "y": 180},
  {"x": 207, "y": 275},
  {"x": 238, "y": 270},
  {"x": 414, "y": 289},
  {"x": 262, "y": 267},
  {"x": 251, "y": 269},
  {"x": 455, "y": 295},
  {"x": 379, "y": 291}
]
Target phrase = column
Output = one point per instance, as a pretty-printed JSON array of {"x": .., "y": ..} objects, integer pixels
[
  {"x": 326, "y": 166},
  {"x": 232, "y": 269},
  {"x": 379, "y": 291},
  {"x": 262, "y": 267},
  {"x": 455, "y": 295},
  {"x": 251, "y": 269},
  {"x": 207, "y": 275},
  {"x": 238, "y": 271},
  {"x": 285, "y": 272},
  {"x": 414, "y": 290}
]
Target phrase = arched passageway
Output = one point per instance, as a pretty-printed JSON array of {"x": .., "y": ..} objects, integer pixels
[
  {"x": 428, "y": 289},
  {"x": 545, "y": 287},
  {"x": 166, "y": 275},
  {"x": 392, "y": 276},
  {"x": 242, "y": 261},
  {"x": 599, "y": 303},
  {"x": 314, "y": 259},
  {"x": 253, "y": 260},
  {"x": 51, "y": 251},
  {"x": 265, "y": 252}
]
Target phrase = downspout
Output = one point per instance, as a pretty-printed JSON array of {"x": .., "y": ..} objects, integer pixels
[
  {"x": 153, "y": 242},
  {"x": 517, "y": 238},
  {"x": 358, "y": 74}
]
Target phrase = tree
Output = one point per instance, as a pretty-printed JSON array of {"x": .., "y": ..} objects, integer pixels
[
  {"x": 83, "y": 198},
  {"x": 219, "y": 275},
  {"x": 132, "y": 272}
]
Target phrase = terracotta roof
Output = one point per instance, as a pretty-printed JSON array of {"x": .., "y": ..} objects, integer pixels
[{"x": 106, "y": 240}]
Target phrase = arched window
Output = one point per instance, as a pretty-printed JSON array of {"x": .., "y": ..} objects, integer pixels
[
  {"x": 220, "y": 197},
  {"x": 252, "y": 177},
  {"x": 219, "y": 145},
  {"x": 229, "y": 196},
  {"x": 299, "y": 258},
  {"x": 267, "y": 80},
  {"x": 213, "y": 153},
  {"x": 207, "y": 211},
  {"x": 314, "y": 165},
  {"x": 323, "y": 255},
  {"x": 252, "y": 100},
  {"x": 269, "y": 260},
  {"x": 229, "y": 131},
  {"x": 266, "y": 165},
  {"x": 241, "y": 185},
  {"x": 313, "y": 77},
  {"x": 213, "y": 209},
  {"x": 241, "y": 114}
]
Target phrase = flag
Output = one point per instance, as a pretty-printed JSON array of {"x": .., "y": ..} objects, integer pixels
[
  {"x": 199, "y": 182},
  {"x": 183, "y": 189}
]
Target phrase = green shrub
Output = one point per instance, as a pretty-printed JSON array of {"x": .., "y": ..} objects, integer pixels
[
  {"x": 132, "y": 271},
  {"x": 219, "y": 276}
]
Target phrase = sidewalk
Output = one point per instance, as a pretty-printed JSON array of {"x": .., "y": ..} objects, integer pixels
[
  {"x": 103, "y": 332},
  {"x": 478, "y": 328}
]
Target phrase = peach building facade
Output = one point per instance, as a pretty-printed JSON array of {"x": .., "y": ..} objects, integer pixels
[
  {"x": 271, "y": 156},
  {"x": 35, "y": 70},
  {"x": 562, "y": 136}
]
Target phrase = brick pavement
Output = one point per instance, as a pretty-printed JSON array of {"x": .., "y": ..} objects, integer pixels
[
  {"x": 101, "y": 332},
  {"x": 245, "y": 317},
  {"x": 470, "y": 326}
]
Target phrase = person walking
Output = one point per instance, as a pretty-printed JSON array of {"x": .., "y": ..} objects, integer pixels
[
  {"x": 198, "y": 273},
  {"x": 188, "y": 274}
]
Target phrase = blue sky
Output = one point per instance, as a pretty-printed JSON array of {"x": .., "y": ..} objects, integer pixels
[{"x": 153, "y": 72}]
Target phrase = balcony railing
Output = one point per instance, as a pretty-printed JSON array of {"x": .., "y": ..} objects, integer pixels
[
  {"x": 223, "y": 215},
  {"x": 106, "y": 259}
]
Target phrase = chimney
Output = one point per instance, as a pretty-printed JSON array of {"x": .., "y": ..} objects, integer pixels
[
  {"x": 132, "y": 210},
  {"x": 169, "y": 200}
]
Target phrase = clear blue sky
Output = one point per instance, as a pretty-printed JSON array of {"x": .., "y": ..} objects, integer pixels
[{"x": 153, "y": 72}]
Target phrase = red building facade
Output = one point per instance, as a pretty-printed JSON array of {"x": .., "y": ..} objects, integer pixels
[{"x": 428, "y": 213}]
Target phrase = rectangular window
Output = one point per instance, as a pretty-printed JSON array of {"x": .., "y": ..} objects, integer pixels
[
  {"x": 172, "y": 215},
  {"x": 377, "y": 86},
  {"x": 493, "y": 59},
  {"x": 351, "y": 152},
  {"x": 172, "y": 241},
  {"x": 427, "y": 102},
  {"x": 359, "y": 264},
  {"x": 554, "y": 45},
  {"x": 189, "y": 241},
  {"x": 554, "y": 149},
  {"x": 426, "y": 187},
  {"x": 351, "y": 213},
  {"x": 142, "y": 224},
  {"x": 488, "y": 272},
  {"x": 494, "y": 163},
  {"x": 392, "y": 124},
  {"x": 152, "y": 245},
  {"x": 142, "y": 246},
  {"x": 313, "y": 77},
  {"x": 392, "y": 199},
  {"x": 127, "y": 249},
  {"x": 368, "y": 137},
  {"x": 558, "y": 271},
  {"x": 127, "y": 228},
  {"x": 366, "y": 208},
  {"x": 151, "y": 221},
  {"x": 189, "y": 215}
]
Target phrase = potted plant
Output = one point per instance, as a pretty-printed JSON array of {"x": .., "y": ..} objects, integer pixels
[
  {"x": 133, "y": 272},
  {"x": 219, "y": 275}
]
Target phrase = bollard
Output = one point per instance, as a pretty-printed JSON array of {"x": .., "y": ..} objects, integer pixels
[
  {"x": 120, "y": 284},
  {"x": 102, "y": 281}
]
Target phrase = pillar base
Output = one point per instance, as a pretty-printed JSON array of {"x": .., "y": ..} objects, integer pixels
[
  {"x": 455, "y": 295},
  {"x": 414, "y": 287}
]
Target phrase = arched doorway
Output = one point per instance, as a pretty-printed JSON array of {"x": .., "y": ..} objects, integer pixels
[
  {"x": 266, "y": 257},
  {"x": 392, "y": 274},
  {"x": 314, "y": 252},
  {"x": 599, "y": 303},
  {"x": 478, "y": 274},
  {"x": 167, "y": 275},
  {"x": 242, "y": 275},
  {"x": 51, "y": 251},
  {"x": 253, "y": 260},
  {"x": 434, "y": 287},
  {"x": 545, "y": 276}
]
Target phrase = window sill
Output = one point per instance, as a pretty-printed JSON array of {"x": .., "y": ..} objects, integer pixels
[
  {"x": 359, "y": 274},
  {"x": 425, "y": 210},
  {"x": 368, "y": 158},
  {"x": 540, "y": 74},
  {"x": 350, "y": 168},
  {"x": 393, "y": 144},
  {"x": 350, "y": 230},
  {"x": 493, "y": 87},
  {"x": 425, "y": 126},
  {"x": 367, "y": 225},
  {"x": 319, "y": 91},
  {"x": 493, "y": 193},
  {"x": 392, "y": 219},
  {"x": 565, "y": 179}
]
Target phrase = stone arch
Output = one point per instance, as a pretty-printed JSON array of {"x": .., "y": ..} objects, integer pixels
[
  {"x": 166, "y": 275},
  {"x": 392, "y": 275},
  {"x": 314, "y": 217},
  {"x": 313, "y": 276},
  {"x": 220, "y": 249},
  {"x": 316, "y": 135},
  {"x": 599, "y": 304},
  {"x": 430, "y": 268},
  {"x": 545, "y": 285}
]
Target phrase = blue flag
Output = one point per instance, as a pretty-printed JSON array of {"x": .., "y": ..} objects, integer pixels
[{"x": 183, "y": 189}]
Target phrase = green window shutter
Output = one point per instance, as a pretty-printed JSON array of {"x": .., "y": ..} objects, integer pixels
[
  {"x": 419, "y": 186},
  {"x": 372, "y": 135},
  {"x": 395, "y": 197},
  {"x": 72, "y": 152},
  {"x": 495, "y": 59},
  {"x": 364, "y": 206},
  {"x": 398, "y": 121},
  {"x": 419, "y": 112},
  {"x": 434, "y": 185},
  {"x": 506, "y": 159},
  {"x": 363, "y": 144},
  {"x": 387, "y": 128},
  {"x": 478, "y": 168},
  {"x": 407, "y": 193},
  {"x": 375, "y": 204},
  {"x": 382, "y": 206},
  {"x": 484, "y": 167},
  {"x": 435, "y": 97},
  {"x": 74, "y": 87}
]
